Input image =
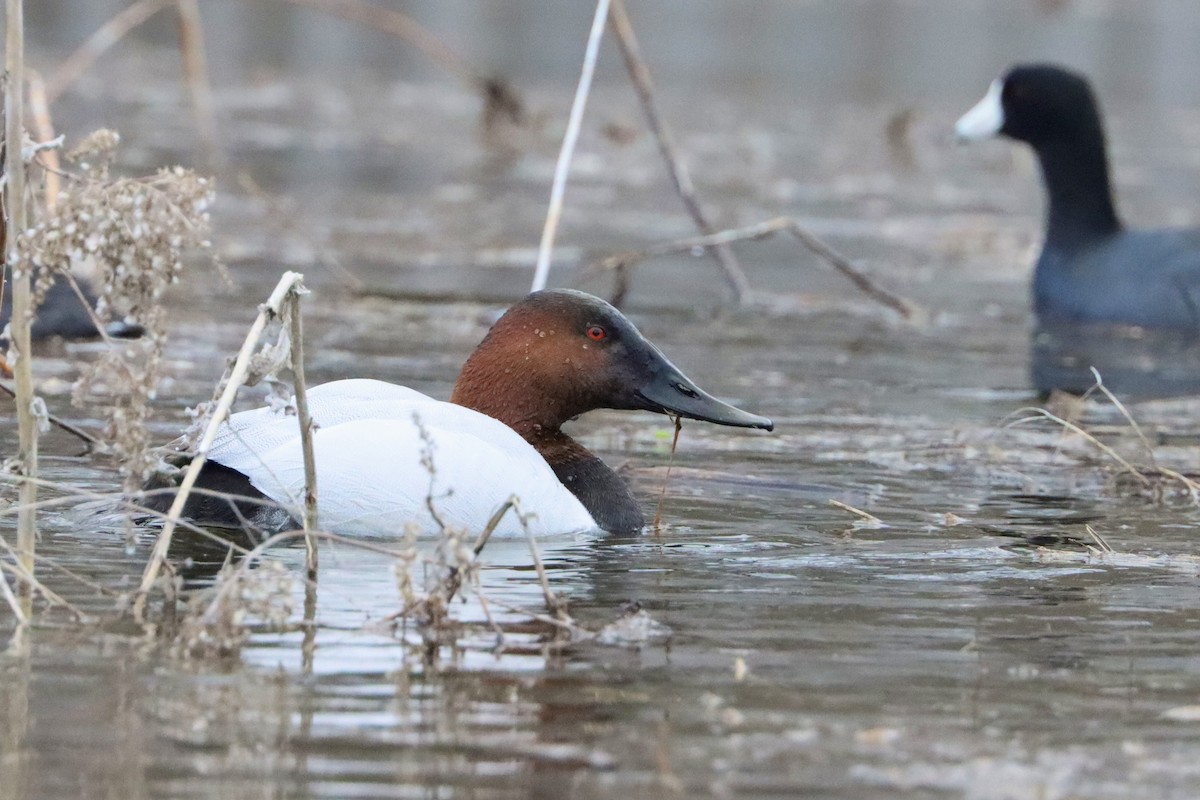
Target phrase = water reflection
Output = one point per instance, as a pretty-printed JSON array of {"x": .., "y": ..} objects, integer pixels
[{"x": 1133, "y": 362}]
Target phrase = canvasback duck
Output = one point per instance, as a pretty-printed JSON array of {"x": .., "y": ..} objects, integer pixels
[
  {"x": 389, "y": 457},
  {"x": 1091, "y": 269}
]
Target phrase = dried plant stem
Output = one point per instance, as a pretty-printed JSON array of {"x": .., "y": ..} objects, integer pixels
[
  {"x": 402, "y": 26},
  {"x": 306, "y": 427},
  {"x": 43, "y": 131},
  {"x": 639, "y": 73},
  {"x": 1067, "y": 425},
  {"x": 559, "y": 186},
  {"x": 858, "y": 512},
  {"x": 662, "y": 495},
  {"x": 91, "y": 441},
  {"x": 195, "y": 72},
  {"x": 905, "y": 307},
  {"x": 22, "y": 305},
  {"x": 554, "y": 604},
  {"x": 32, "y": 584},
  {"x": 289, "y": 283},
  {"x": 107, "y": 35},
  {"x": 14, "y": 605},
  {"x": 1137, "y": 429}
]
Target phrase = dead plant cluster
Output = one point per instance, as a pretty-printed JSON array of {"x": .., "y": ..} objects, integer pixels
[
  {"x": 132, "y": 236},
  {"x": 217, "y": 622}
]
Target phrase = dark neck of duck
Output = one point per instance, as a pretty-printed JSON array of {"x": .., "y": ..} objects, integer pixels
[
  {"x": 509, "y": 395},
  {"x": 1080, "y": 203},
  {"x": 602, "y": 492}
]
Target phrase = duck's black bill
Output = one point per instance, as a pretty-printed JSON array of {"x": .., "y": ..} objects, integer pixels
[{"x": 669, "y": 391}]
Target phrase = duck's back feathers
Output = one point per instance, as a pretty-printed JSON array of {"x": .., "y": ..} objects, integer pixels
[{"x": 389, "y": 457}]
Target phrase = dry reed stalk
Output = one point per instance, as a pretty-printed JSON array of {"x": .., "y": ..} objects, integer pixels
[
  {"x": 639, "y": 73},
  {"x": 662, "y": 495},
  {"x": 306, "y": 428},
  {"x": 554, "y": 604},
  {"x": 902, "y": 305},
  {"x": 558, "y": 187},
  {"x": 22, "y": 305},
  {"x": 402, "y": 26},
  {"x": 14, "y": 605},
  {"x": 43, "y": 131},
  {"x": 195, "y": 73},
  {"x": 1067, "y": 425},
  {"x": 99, "y": 43},
  {"x": 290, "y": 282},
  {"x": 191, "y": 49}
]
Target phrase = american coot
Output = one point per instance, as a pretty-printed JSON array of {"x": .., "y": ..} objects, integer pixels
[
  {"x": 385, "y": 453},
  {"x": 62, "y": 314},
  {"x": 1091, "y": 268}
]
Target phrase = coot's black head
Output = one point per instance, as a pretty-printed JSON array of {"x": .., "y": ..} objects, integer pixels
[{"x": 1035, "y": 103}]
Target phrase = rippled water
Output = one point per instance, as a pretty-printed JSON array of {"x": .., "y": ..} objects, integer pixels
[{"x": 962, "y": 642}]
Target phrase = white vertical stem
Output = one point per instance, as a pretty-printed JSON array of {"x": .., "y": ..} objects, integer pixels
[
  {"x": 14, "y": 115},
  {"x": 568, "y": 147}
]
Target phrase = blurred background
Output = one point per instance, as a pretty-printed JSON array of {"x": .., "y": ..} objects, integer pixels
[{"x": 838, "y": 113}]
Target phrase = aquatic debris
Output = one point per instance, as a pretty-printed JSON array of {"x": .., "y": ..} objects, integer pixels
[
  {"x": 218, "y": 621},
  {"x": 1095, "y": 556},
  {"x": 865, "y": 519},
  {"x": 634, "y": 628}
]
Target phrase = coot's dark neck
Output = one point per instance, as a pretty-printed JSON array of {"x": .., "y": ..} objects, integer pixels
[
  {"x": 1080, "y": 204},
  {"x": 601, "y": 491}
]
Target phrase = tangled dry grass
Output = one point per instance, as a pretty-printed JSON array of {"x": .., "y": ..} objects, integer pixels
[{"x": 132, "y": 236}]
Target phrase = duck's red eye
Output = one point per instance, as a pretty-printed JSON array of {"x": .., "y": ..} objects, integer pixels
[{"x": 597, "y": 333}]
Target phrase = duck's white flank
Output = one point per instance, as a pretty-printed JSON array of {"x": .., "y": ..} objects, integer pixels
[{"x": 369, "y": 442}]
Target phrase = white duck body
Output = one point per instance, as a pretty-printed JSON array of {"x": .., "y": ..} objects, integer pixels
[{"x": 369, "y": 440}]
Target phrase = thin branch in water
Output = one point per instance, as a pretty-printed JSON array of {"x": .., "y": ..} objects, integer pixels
[
  {"x": 903, "y": 306},
  {"x": 559, "y": 186},
  {"x": 866, "y": 516},
  {"x": 639, "y": 73},
  {"x": 91, "y": 442}
]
